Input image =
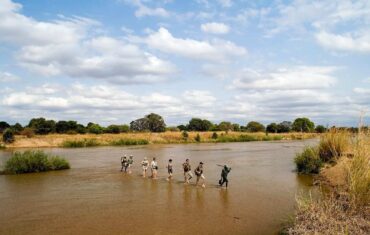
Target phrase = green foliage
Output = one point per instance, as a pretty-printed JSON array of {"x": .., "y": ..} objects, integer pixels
[
  {"x": 255, "y": 127},
  {"x": 95, "y": 128},
  {"x": 182, "y": 128},
  {"x": 320, "y": 129},
  {"x": 156, "y": 123},
  {"x": 197, "y": 138},
  {"x": 114, "y": 129},
  {"x": 272, "y": 128},
  {"x": 197, "y": 124},
  {"x": 185, "y": 135},
  {"x": 3, "y": 126},
  {"x": 236, "y": 127},
  {"x": 42, "y": 126},
  {"x": 141, "y": 124},
  {"x": 284, "y": 127},
  {"x": 308, "y": 161},
  {"x": 303, "y": 125},
  {"x": 214, "y": 135},
  {"x": 66, "y": 126},
  {"x": 8, "y": 136},
  {"x": 80, "y": 143},
  {"x": 225, "y": 126},
  {"x": 17, "y": 128},
  {"x": 124, "y": 128},
  {"x": 121, "y": 142},
  {"x": 34, "y": 161},
  {"x": 28, "y": 132}
]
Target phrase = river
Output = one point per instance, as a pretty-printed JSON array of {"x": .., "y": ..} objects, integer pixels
[{"x": 94, "y": 197}]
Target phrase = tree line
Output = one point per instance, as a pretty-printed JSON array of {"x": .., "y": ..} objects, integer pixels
[{"x": 153, "y": 123}]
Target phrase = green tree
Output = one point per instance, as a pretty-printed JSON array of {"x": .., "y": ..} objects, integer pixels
[
  {"x": 225, "y": 126},
  {"x": 115, "y": 129},
  {"x": 141, "y": 124},
  {"x": 156, "y": 123},
  {"x": 303, "y": 125},
  {"x": 284, "y": 127},
  {"x": 17, "y": 128},
  {"x": 66, "y": 126},
  {"x": 124, "y": 128},
  {"x": 95, "y": 129},
  {"x": 272, "y": 128},
  {"x": 255, "y": 127},
  {"x": 236, "y": 127},
  {"x": 42, "y": 126},
  {"x": 3, "y": 126},
  {"x": 320, "y": 129},
  {"x": 8, "y": 136},
  {"x": 197, "y": 124}
]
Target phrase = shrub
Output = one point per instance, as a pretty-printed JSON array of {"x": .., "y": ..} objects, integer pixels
[
  {"x": 58, "y": 163},
  {"x": 303, "y": 125},
  {"x": 333, "y": 144},
  {"x": 34, "y": 161},
  {"x": 197, "y": 138},
  {"x": 185, "y": 135},
  {"x": 8, "y": 136},
  {"x": 320, "y": 129},
  {"x": 80, "y": 143},
  {"x": 308, "y": 161},
  {"x": 255, "y": 127},
  {"x": 129, "y": 142},
  {"x": 214, "y": 135},
  {"x": 28, "y": 132}
]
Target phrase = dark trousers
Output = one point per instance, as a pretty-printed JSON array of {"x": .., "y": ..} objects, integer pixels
[{"x": 224, "y": 180}]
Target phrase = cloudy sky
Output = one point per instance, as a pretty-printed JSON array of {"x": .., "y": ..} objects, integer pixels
[{"x": 112, "y": 61}]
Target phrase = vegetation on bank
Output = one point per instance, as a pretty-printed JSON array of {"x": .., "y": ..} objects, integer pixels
[
  {"x": 34, "y": 161},
  {"x": 345, "y": 209}
]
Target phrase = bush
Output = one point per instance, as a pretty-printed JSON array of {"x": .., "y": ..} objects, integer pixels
[
  {"x": 303, "y": 125},
  {"x": 214, "y": 135},
  {"x": 185, "y": 135},
  {"x": 28, "y": 132},
  {"x": 333, "y": 144},
  {"x": 320, "y": 129},
  {"x": 308, "y": 161},
  {"x": 80, "y": 143},
  {"x": 129, "y": 142},
  {"x": 34, "y": 161},
  {"x": 8, "y": 136},
  {"x": 255, "y": 127},
  {"x": 197, "y": 138}
]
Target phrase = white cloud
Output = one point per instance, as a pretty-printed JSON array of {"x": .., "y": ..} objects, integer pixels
[
  {"x": 301, "y": 77},
  {"x": 346, "y": 42},
  {"x": 8, "y": 77},
  {"x": 214, "y": 50},
  {"x": 199, "y": 98},
  {"x": 216, "y": 28},
  {"x": 144, "y": 10},
  {"x": 69, "y": 47}
]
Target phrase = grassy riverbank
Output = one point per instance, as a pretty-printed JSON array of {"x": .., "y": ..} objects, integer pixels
[
  {"x": 90, "y": 140},
  {"x": 345, "y": 209}
]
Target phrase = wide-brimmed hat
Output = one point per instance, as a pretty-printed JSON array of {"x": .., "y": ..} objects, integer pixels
[{"x": 201, "y": 163}]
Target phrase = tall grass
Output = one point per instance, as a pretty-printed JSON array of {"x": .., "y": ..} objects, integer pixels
[
  {"x": 308, "y": 161},
  {"x": 80, "y": 143},
  {"x": 123, "y": 142},
  {"x": 358, "y": 173},
  {"x": 34, "y": 161},
  {"x": 333, "y": 144}
]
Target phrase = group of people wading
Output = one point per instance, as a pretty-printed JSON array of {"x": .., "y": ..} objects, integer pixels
[{"x": 127, "y": 162}]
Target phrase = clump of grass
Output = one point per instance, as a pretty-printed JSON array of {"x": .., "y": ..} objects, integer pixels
[
  {"x": 2, "y": 146},
  {"x": 197, "y": 138},
  {"x": 121, "y": 142},
  {"x": 308, "y": 161},
  {"x": 333, "y": 144},
  {"x": 358, "y": 174},
  {"x": 34, "y": 161},
  {"x": 80, "y": 143}
]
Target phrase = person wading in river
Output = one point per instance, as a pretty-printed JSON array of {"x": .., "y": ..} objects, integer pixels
[
  {"x": 124, "y": 163},
  {"x": 130, "y": 161},
  {"x": 154, "y": 168},
  {"x": 169, "y": 169},
  {"x": 199, "y": 173},
  {"x": 145, "y": 165},
  {"x": 225, "y": 171},
  {"x": 187, "y": 171}
]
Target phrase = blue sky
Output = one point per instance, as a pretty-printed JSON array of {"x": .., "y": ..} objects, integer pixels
[{"x": 115, "y": 61}]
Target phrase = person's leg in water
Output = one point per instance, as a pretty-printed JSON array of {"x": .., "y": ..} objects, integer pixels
[
  {"x": 224, "y": 180},
  {"x": 169, "y": 175},
  {"x": 126, "y": 165},
  {"x": 122, "y": 167}
]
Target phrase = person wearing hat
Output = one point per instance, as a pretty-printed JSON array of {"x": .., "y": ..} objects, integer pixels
[
  {"x": 145, "y": 165},
  {"x": 199, "y": 173},
  {"x": 124, "y": 163},
  {"x": 130, "y": 161}
]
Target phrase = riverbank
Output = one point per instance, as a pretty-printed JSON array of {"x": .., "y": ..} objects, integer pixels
[
  {"x": 344, "y": 205},
  {"x": 90, "y": 140}
]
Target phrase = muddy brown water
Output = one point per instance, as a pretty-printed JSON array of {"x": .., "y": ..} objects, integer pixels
[{"x": 94, "y": 197}]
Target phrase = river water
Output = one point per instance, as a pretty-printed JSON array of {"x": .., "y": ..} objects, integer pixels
[{"x": 94, "y": 197}]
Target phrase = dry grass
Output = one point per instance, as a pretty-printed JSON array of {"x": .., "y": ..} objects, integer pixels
[
  {"x": 334, "y": 144},
  {"x": 59, "y": 140},
  {"x": 346, "y": 210}
]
